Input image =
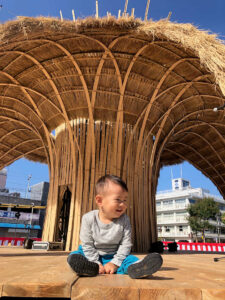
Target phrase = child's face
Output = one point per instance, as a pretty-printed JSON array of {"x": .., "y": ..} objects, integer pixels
[{"x": 112, "y": 202}]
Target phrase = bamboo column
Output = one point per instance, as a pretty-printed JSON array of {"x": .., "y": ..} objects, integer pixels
[{"x": 140, "y": 208}]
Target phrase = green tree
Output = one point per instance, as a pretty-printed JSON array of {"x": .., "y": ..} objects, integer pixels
[
  {"x": 223, "y": 218},
  {"x": 200, "y": 213}
]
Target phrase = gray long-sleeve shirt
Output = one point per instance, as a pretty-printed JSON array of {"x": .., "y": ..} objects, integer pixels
[{"x": 100, "y": 239}]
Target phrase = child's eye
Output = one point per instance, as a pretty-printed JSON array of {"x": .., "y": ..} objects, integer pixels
[{"x": 121, "y": 201}]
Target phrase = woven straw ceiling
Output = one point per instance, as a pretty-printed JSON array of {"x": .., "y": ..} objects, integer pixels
[{"x": 47, "y": 68}]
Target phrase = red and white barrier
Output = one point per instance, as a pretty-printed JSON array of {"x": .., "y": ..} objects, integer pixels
[{"x": 206, "y": 247}]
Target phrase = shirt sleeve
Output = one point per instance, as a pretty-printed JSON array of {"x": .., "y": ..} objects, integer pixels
[
  {"x": 124, "y": 246},
  {"x": 87, "y": 241}
]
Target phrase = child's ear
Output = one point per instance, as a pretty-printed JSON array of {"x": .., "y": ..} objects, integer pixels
[{"x": 98, "y": 200}]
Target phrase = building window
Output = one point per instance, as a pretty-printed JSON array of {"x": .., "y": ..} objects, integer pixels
[
  {"x": 180, "y": 228},
  {"x": 168, "y": 216},
  {"x": 167, "y": 229},
  {"x": 181, "y": 216},
  {"x": 167, "y": 202},
  {"x": 159, "y": 229},
  {"x": 178, "y": 201},
  {"x": 185, "y": 183},
  {"x": 158, "y": 217}
]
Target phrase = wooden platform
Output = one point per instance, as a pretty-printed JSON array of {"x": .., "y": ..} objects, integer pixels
[{"x": 28, "y": 273}]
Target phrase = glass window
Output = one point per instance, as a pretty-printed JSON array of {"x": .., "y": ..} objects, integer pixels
[
  {"x": 180, "y": 214},
  {"x": 185, "y": 183},
  {"x": 168, "y": 216},
  {"x": 178, "y": 201},
  {"x": 168, "y": 228},
  {"x": 167, "y": 202},
  {"x": 191, "y": 201}
]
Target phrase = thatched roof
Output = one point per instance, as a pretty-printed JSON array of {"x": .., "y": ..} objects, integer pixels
[{"x": 48, "y": 67}]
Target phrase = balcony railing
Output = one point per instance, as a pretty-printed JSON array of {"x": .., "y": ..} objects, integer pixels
[
  {"x": 181, "y": 220},
  {"x": 172, "y": 221},
  {"x": 171, "y": 207},
  {"x": 174, "y": 234}
]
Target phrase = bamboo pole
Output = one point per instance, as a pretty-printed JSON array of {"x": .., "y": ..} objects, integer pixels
[
  {"x": 125, "y": 8},
  {"x": 119, "y": 13},
  {"x": 96, "y": 9},
  {"x": 132, "y": 13},
  {"x": 146, "y": 10},
  {"x": 61, "y": 16},
  {"x": 169, "y": 15},
  {"x": 73, "y": 14}
]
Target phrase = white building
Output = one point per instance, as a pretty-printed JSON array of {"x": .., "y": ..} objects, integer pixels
[
  {"x": 171, "y": 207},
  {"x": 3, "y": 177}
]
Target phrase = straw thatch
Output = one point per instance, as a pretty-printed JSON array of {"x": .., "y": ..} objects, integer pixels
[{"x": 123, "y": 96}]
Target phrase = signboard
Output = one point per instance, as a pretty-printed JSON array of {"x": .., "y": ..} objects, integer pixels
[
  {"x": 7, "y": 214},
  {"x": 23, "y": 216}
]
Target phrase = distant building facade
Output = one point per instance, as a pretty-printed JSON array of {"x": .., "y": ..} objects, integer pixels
[
  {"x": 17, "y": 221},
  {"x": 171, "y": 207},
  {"x": 39, "y": 192}
]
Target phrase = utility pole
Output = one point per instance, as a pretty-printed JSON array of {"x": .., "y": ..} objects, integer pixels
[
  {"x": 218, "y": 218},
  {"x": 28, "y": 185}
]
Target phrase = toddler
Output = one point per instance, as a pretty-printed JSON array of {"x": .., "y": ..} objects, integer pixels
[{"x": 106, "y": 236}]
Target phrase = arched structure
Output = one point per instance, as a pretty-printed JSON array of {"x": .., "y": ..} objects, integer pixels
[{"x": 121, "y": 96}]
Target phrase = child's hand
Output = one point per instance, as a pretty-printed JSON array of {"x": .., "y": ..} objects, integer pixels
[
  {"x": 101, "y": 269},
  {"x": 110, "y": 268}
]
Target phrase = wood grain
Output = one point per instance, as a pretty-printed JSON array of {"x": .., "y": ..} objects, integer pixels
[
  {"x": 188, "y": 277},
  {"x": 29, "y": 273}
]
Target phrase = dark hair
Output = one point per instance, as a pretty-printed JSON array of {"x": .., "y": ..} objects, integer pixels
[{"x": 103, "y": 181}]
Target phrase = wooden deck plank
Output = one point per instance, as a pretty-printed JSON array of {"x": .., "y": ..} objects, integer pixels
[
  {"x": 186, "y": 277},
  {"x": 170, "y": 294},
  {"x": 213, "y": 294},
  {"x": 28, "y": 273}
]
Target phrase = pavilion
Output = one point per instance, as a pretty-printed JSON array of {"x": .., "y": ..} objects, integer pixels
[{"x": 107, "y": 95}]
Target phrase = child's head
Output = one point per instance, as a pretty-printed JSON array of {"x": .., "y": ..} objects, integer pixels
[{"x": 111, "y": 196}]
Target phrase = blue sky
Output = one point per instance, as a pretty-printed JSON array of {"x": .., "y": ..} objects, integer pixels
[{"x": 205, "y": 14}]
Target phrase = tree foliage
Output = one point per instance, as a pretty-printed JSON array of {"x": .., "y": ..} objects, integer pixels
[
  {"x": 200, "y": 213},
  {"x": 223, "y": 218}
]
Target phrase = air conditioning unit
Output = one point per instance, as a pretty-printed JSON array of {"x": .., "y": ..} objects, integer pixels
[{"x": 48, "y": 246}]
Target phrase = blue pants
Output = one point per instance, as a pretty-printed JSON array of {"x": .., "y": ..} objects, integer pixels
[{"x": 104, "y": 259}]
